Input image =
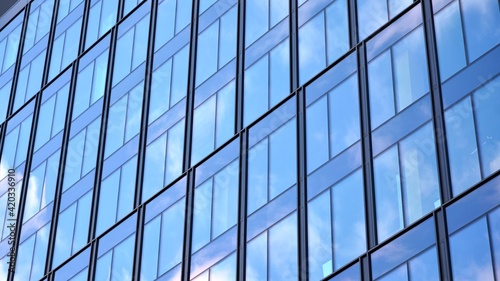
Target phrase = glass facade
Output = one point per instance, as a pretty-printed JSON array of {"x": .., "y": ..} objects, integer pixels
[{"x": 250, "y": 140}]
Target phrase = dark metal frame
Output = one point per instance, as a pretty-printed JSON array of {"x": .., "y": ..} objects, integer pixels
[{"x": 242, "y": 133}]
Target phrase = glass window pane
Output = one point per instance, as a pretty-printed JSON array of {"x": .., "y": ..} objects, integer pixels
[
  {"x": 410, "y": 69},
  {"x": 388, "y": 193},
  {"x": 312, "y": 49},
  {"x": 486, "y": 103},
  {"x": 256, "y": 260},
  {"x": 344, "y": 116},
  {"x": 227, "y": 43},
  {"x": 450, "y": 41},
  {"x": 470, "y": 256},
  {"x": 283, "y": 252},
  {"x": 282, "y": 159},
  {"x": 462, "y": 146},
  {"x": 256, "y": 89},
  {"x": 380, "y": 83},
  {"x": 419, "y": 174},
  {"x": 203, "y": 129},
  {"x": 481, "y": 21},
  {"x": 317, "y": 134},
  {"x": 207, "y": 53},
  {"x": 337, "y": 30},
  {"x": 320, "y": 236},
  {"x": 224, "y": 270},
  {"x": 349, "y": 233}
]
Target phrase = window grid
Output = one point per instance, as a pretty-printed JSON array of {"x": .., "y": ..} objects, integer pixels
[{"x": 435, "y": 95}]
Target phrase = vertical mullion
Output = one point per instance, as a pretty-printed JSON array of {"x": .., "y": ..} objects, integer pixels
[
  {"x": 145, "y": 103},
  {"x": 443, "y": 249},
  {"x": 370, "y": 211},
  {"x": 353, "y": 22},
  {"x": 366, "y": 272},
  {"x": 437, "y": 105},
  {"x": 302, "y": 189},
  {"x": 240, "y": 67},
  {"x": 186, "y": 261},
  {"x": 136, "y": 273},
  {"x": 241, "y": 258},
  {"x": 191, "y": 87},
  {"x": 294, "y": 45}
]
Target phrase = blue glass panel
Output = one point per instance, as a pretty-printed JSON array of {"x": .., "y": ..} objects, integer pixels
[
  {"x": 481, "y": 21},
  {"x": 131, "y": 47},
  {"x": 108, "y": 201},
  {"x": 424, "y": 266},
  {"x": 150, "y": 249},
  {"x": 161, "y": 84},
  {"x": 419, "y": 175},
  {"x": 225, "y": 199},
  {"x": 375, "y": 13},
  {"x": 207, "y": 53},
  {"x": 75, "y": 269},
  {"x": 203, "y": 129},
  {"x": 256, "y": 259},
  {"x": 410, "y": 69},
  {"x": 312, "y": 49},
  {"x": 351, "y": 273},
  {"x": 256, "y": 20},
  {"x": 202, "y": 215},
  {"x": 380, "y": 83},
  {"x": 470, "y": 256},
  {"x": 319, "y": 236},
  {"x": 317, "y": 134},
  {"x": 282, "y": 159},
  {"x": 372, "y": 15},
  {"x": 225, "y": 269},
  {"x": 272, "y": 212},
  {"x": 486, "y": 102},
  {"x": 225, "y": 114},
  {"x": 462, "y": 146},
  {"x": 494, "y": 224},
  {"x": 279, "y": 69},
  {"x": 335, "y": 170},
  {"x": 283, "y": 250},
  {"x": 155, "y": 162},
  {"x": 258, "y": 177},
  {"x": 102, "y": 17},
  {"x": 450, "y": 41},
  {"x": 10, "y": 44},
  {"x": 256, "y": 90},
  {"x": 227, "y": 39},
  {"x": 172, "y": 236},
  {"x": 211, "y": 254},
  {"x": 349, "y": 232},
  {"x": 344, "y": 115},
  {"x": 388, "y": 193},
  {"x": 474, "y": 205},
  {"x": 337, "y": 30},
  {"x": 398, "y": 274},
  {"x": 404, "y": 248}
]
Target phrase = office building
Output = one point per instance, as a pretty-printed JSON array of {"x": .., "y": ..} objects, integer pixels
[{"x": 250, "y": 140}]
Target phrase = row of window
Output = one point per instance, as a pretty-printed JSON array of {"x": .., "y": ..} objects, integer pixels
[
  {"x": 405, "y": 164},
  {"x": 326, "y": 23},
  {"x": 336, "y": 226}
]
